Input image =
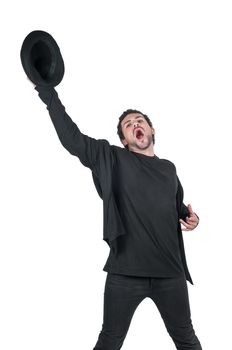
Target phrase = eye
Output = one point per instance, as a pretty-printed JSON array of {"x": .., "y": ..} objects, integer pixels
[{"x": 128, "y": 125}]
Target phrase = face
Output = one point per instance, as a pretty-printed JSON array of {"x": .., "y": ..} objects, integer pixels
[{"x": 137, "y": 132}]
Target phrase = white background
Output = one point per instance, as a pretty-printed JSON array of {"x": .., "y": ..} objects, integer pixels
[{"x": 170, "y": 59}]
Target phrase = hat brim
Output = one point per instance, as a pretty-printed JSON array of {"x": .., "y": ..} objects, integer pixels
[{"x": 41, "y": 59}]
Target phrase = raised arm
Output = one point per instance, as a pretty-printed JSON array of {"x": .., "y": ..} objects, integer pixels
[{"x": 78, "y": 144}]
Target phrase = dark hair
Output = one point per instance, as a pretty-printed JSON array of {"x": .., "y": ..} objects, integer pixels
[{"x": 124, "y": 114}]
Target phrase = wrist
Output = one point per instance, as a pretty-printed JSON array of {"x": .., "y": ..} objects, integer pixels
[{"x": 46, "y": 94}]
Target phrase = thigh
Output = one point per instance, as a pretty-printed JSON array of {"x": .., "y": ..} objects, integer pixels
[
  {"x": 122, "y": 296},
  {"x": 171, "y": 298}
]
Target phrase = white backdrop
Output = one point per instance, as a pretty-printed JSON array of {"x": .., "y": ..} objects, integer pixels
[{"x": 169, "y": 59}]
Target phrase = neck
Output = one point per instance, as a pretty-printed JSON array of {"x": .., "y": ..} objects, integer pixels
[{"x": 147, "y": 152}]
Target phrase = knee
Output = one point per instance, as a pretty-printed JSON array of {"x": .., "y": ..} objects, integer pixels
[
  {"x": 108, "y": 340},
  {"x": 183, "y": 336}
]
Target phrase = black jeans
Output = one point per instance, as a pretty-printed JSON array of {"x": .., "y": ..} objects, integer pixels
[{"x": 122, "y": 296}]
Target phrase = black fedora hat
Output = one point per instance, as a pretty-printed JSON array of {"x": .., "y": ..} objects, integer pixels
[{"x": 41, "y": 59}]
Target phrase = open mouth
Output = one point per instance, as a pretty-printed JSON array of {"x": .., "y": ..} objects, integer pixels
[{"x": 139, "y": 134}]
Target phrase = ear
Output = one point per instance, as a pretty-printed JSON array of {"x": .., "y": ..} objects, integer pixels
[{"x": 153, "y": 131}]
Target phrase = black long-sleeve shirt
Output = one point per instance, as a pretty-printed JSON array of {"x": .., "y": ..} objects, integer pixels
[
  {"x": 144, "y": 201},
  {"x": 146, "y": 195}
]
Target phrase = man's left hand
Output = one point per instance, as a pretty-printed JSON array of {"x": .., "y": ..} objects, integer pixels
[{"x": 191, "y": 221}]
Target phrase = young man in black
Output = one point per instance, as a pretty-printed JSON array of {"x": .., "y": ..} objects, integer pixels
[{"x": 142, "y": 214}]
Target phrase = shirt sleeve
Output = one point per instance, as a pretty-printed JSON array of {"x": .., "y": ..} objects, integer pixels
[
  {"x": 182, "y": 208},
  {"x": 78, "y": 144}
]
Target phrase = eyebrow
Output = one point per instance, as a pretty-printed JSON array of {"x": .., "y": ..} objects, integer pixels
[{"x": 138, "y": 116}]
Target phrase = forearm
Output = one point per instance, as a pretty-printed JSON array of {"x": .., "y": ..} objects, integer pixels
[
  {"x": 66, "y": 129},
  {"x": 72, "y": 139}
]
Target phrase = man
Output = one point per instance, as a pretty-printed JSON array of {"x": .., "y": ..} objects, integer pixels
[{"x": 142, "y": 211}]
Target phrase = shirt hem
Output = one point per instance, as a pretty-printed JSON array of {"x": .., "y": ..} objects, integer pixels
[{"x": 141, "y": 273}]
